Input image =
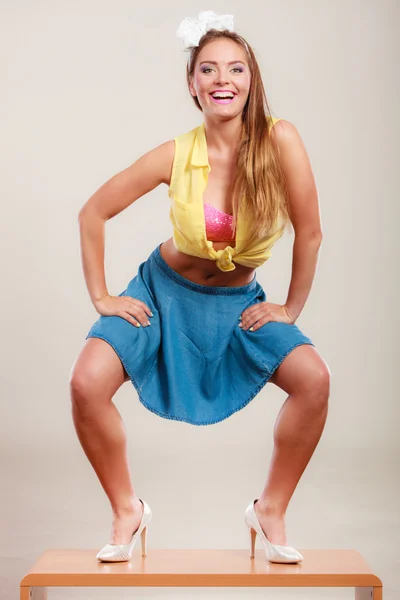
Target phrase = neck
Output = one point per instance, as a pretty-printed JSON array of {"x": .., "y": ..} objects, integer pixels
[{"x": 223, "y": 136}]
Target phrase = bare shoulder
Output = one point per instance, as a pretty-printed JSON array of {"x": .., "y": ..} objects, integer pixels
[
  {"x": 296, "y": 164},
  {"x": 158, "y": 161},
  {"x": 284, "y": 131},
  {"x": 120, "y": 191},
  {"x": 163, "y": 157},
  {"x": 291, "y": 149}
]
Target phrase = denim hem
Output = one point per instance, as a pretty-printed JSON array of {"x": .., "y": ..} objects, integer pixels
[
  {"x": 301, "y": 343},
  {"x": 259, "y": 387}
]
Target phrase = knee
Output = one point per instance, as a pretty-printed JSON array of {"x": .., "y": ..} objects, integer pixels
[
  {"x": 82, "y": 385},
  {"x": 318, "y": 385}
]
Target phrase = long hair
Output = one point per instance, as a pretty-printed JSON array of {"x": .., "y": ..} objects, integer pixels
[{"x": 259, "y": 179}]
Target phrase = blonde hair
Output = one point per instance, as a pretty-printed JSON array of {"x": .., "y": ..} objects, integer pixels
[{"x": 259, "y": 176}]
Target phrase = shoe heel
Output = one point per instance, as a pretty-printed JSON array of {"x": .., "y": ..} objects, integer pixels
[
  {"x": 252, "y": 538},
  {"x": 143, "y": 537}
]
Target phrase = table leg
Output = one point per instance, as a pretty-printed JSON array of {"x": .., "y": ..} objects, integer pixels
[
  {"x": 33, "y": 593},
  {"x": 368, "y": 593}
]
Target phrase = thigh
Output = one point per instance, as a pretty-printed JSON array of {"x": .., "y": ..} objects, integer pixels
[
  {"x": 97, "y": 370},
  {"x": 302, "y": 369}
]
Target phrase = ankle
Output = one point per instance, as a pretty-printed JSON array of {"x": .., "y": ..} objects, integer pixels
[
  {"x": 127, "y": 508},
  {"x": 271, "y": 508}
]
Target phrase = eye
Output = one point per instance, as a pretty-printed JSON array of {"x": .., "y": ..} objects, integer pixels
[{"x": 234, "y": 69}]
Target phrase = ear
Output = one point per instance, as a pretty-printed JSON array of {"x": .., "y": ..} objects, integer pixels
[{"x": 191, "y": 88}]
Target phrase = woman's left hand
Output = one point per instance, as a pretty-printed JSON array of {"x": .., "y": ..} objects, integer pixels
[{"x": 256, "y": 315}]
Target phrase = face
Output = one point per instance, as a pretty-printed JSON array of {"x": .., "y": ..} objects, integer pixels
[{"x": 221, "y": 65}]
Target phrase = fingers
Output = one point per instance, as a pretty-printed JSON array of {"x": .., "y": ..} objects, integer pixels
[
  {"x": 137, "y": 312},
  {"x": 138, "y": 303},
  {"x": 252, "y": 324},
  {"x": 255, "y": 318},
  {"x": 252, "y": 320},
  {"x": 256, "y": 324},
  {"x": 135, "y": 320}
]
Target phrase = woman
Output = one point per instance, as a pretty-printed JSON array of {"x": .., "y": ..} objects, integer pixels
[{"x": 196, "y": 362}]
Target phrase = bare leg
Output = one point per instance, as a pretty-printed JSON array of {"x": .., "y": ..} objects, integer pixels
[
  {"x": 298, "y": 428},
  {"x": 95, "y": 377}
]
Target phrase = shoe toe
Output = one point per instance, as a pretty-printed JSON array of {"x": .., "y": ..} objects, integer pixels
[
  {"x": 288, "y": 554},
  {"x": 112, "y": 553}
]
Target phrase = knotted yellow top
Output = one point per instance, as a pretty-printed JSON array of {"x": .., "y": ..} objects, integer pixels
[{"x": 188, "y": 181}]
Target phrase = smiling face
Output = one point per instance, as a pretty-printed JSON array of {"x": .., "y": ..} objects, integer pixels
[{"x": 221, "y": 65}]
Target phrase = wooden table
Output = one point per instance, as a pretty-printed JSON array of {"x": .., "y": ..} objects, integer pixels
[{"x": 200, "y": 568}]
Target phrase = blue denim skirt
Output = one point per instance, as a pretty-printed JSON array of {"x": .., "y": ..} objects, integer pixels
[{"x": 194, "y": 363}]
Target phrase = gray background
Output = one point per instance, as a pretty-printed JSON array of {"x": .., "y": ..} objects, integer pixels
[{"x": 86, "y": 88}]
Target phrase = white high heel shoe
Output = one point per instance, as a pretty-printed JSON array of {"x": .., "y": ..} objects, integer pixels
[
  {"x": 122, "y": 552},
  {"x": 274, "y": 553}
]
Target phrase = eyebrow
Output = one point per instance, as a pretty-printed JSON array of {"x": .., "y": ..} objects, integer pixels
[{"x": 212, "y": 62}]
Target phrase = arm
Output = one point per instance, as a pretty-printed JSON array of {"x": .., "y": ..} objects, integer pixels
[
  {"x": 110, "y": 199},
  {"x": 303, "y": 200}
]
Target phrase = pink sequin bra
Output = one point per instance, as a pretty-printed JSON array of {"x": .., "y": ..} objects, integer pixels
[{"x": 218, "y": 224}]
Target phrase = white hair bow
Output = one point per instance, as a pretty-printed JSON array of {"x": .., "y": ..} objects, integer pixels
[{"x": 191, "y": 30}]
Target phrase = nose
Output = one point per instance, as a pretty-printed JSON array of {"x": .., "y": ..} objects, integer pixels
[
  {"x": 221, "y": 78},
  {"x": 221, "y": 81}
]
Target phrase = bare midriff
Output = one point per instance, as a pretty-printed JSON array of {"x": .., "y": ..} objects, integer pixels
[{"x": 204, "y": 270}]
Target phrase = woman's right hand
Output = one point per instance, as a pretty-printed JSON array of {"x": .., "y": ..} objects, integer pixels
[{"x": 132, "y": 310}]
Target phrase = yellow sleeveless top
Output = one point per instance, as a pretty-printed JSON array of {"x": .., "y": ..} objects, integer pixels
[{"x": 188, "y": 181}]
